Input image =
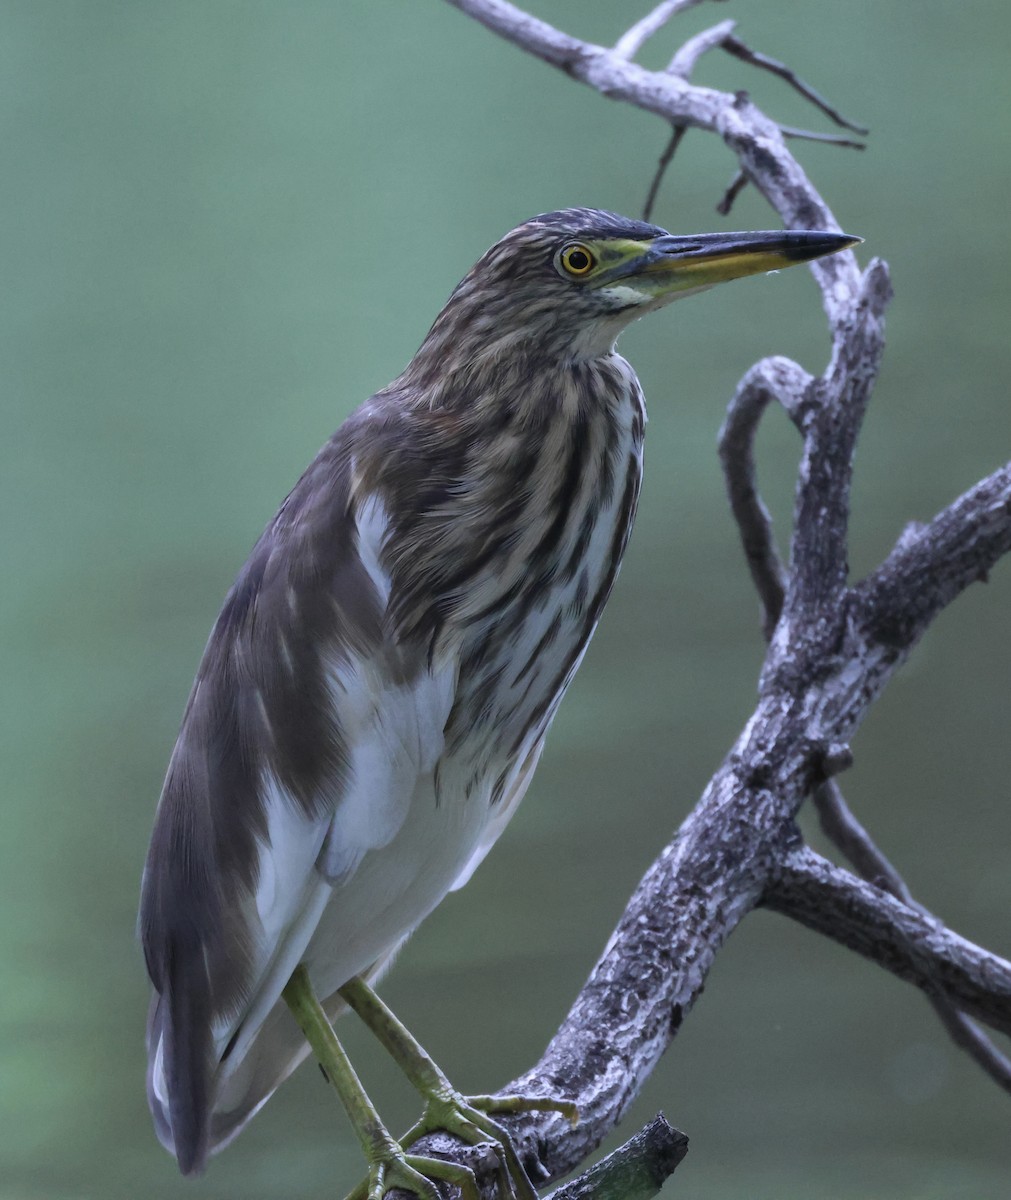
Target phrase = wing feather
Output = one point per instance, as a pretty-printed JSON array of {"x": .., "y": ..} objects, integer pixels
[{"x": 300, "y": 749}]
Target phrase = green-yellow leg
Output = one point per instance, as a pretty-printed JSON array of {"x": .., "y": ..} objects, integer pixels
[
  {"x": 389, "y": 1166},
  {"x": 445, "y": 1108}
]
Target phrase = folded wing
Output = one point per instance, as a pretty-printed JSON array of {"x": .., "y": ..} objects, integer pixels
[{"x": 301, "y": 748}]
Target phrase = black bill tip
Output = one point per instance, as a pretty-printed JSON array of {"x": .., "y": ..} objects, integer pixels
[{"x": 801, "y": 245}]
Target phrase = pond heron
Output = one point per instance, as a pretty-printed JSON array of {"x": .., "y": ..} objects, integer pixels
[{"x": 375, "y": 695}]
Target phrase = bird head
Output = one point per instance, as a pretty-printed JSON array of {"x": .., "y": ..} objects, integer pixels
[{"x": 564, "y": 284}]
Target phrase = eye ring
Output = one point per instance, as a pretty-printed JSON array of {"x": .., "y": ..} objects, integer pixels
[{"x": 576, "y": 259}]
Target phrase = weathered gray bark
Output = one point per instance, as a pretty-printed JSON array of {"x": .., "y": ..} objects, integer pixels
[{"x": 832, "y": 649}]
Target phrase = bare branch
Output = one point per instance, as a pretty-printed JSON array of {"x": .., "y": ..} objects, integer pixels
[
  {"x": 683, "y": 63},
  {"x": 533, "y": 35},
  {"x": 630, "y": 43},
  {"x": 845, "y": 831},
  {"x": 635, "y": 1171},
  {"x": 599, "y": 68},
  {"x": 739, "y": 50},
  {"x": 932, "y": 564},
  {"x": 783, "y": 380},
  {"x": 906, "y": 941}
]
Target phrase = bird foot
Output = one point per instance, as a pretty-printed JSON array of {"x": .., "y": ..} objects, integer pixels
[
  {"x": 414, "y": 1173},
  {"x": 466, "y": 1117},
  {"x": 445, "y": 1110}
]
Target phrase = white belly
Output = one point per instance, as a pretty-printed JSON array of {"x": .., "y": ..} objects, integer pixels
[{"x": 394, "y": 887}]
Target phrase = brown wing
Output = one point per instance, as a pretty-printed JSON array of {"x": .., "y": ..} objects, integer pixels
[{"x": 260, "y": 706}]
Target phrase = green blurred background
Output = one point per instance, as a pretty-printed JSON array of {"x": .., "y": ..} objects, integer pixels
[{"x": 223, "y": 225}]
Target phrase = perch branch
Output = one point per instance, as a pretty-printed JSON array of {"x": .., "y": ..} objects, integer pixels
[
  {"x": 716, "y": 870},
  {"x": 832, "y": 652}
]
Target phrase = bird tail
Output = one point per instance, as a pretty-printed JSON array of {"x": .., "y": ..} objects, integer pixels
[
  {"x": 199, "y": 1104},
  {"x": 179, "y": 1053}
]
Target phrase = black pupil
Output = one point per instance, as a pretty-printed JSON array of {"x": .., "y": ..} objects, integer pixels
[{"x": 579, "y": 260}]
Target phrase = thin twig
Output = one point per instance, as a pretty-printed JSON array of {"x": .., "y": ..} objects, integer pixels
[
  {"x": 677, "y": 133},
  {"x": 738, "y": 49},
  {"x": 682, "y": 65},
  {"x": 842, "y": 828},
  {"x": 631, "y": 42},
  {"x": 832, "y": 139},
  {"x": 734, "y": 189},
  {"x": 968, "y": 1036}
]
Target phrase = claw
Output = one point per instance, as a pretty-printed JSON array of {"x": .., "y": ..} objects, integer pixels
[
  {"x": 414, "y": 1173},
  {"x": 512, "y": 1104},
  {"x": 453, "y": 1173},
  {"x": 466, "y": 1117}
]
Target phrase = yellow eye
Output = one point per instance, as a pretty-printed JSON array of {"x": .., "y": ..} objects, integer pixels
[{"x": 577, "y": 260}]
